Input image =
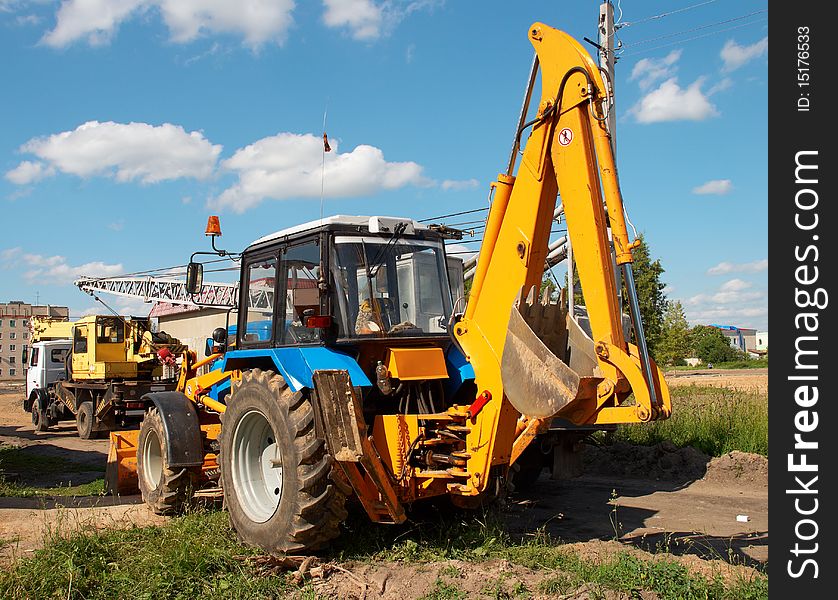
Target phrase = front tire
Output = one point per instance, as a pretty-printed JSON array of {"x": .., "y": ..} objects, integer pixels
[
  {"x": 166, "y": 491},
  {"x": 40, "y": 421},
  {"x": 275, "y": 470}
]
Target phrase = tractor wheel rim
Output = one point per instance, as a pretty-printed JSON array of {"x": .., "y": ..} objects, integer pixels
[
  {"x": 152, "y": 453},
  {"x": 256, "y": 467}
]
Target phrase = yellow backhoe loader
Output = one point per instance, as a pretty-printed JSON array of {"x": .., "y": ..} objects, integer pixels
[{"x": 351, "y": 374}]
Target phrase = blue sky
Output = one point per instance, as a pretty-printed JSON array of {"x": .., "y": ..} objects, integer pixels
[{"x": 127, "y": 122}]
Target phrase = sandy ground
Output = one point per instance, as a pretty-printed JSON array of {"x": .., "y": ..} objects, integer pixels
[
  {"x": 746, "y": 380},
  {"x": 704, "y": 512}
]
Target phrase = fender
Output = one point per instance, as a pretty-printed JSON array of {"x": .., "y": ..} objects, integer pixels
[
  {"x": 39, "y": 396},
  {"x": 181, "y": 426}
]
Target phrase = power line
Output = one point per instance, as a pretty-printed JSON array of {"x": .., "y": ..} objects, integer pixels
[
  {"x": 457, "y": 214},
  {"x": 159, "y": 271},
  {"x": 666, "y": 14},
  {"x": 669, "y": 35},
  {"x": 697, "y": 37}
]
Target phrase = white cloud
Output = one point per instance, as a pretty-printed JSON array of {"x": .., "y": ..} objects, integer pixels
[
  {"x": 26, "y": 20},
  {"x": 97, "y": 20},
  {"x": 46, "y": 270},
  {"x": 717, "y": 187},
  {"x": 363, "y": 18},
  {"x": 749, "y": 316},
  {"x": 650, "y": 70},
  {"x": 368, "y": 20},
  {"x": 124, "y": 151},
  {"x": 458, "y": 184},
  {"x": 671, "y": 102},
  {"x": 734, "y": 302},
  {"x": 290, "y": 165},
  {"x": 28, "y": 172},
  {"x": 722, "y": 85},
  {"x": 726, "y": 297},
  {"x": 734, "y": 285},
  {"x": 256, "y": 21},
  {"x": 134, "y": 307},
  {"x": 725, "y": 268},
  {"x": 736, "y": 56}
]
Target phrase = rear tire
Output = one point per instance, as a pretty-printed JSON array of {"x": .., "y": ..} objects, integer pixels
[
  {"x": 166, "y": 491},
  {"x": 275, "y": 470},
  {"x": 86, "y": 421},
  {"x": 527, "y": 469}
]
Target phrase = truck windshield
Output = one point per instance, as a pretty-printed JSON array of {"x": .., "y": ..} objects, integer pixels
[{"x": 390, "y": 287}]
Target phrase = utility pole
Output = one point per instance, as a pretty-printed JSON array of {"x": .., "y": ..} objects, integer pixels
[{"x": 607, "y": 61}]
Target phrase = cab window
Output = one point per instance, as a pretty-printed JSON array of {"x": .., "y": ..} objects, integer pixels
[
  {"x": 110, "y": 330},
  {"x": 57, "y": 355},
  {"x": 79, "y": 340},
  {"x": 256, "y": 320},
  {"x": 33, "y": 358}
]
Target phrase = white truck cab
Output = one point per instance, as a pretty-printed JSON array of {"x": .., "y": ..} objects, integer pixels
[{"x": 45, "y": 366}]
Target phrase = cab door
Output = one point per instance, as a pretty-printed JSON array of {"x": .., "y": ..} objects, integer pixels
[
  {"x": 35, "y": 372},
  {"x": 81, "y": 358}
]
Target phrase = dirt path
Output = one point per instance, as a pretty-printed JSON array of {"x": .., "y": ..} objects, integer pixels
[
  {"x": 632, "y": 494},
  {"x": 746, "y": 380}
]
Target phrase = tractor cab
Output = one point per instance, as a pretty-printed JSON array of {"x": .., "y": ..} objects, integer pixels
[{"x": 344, "y": 280}]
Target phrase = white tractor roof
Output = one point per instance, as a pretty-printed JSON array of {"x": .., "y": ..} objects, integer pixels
[{"x": 374, "y": 224}]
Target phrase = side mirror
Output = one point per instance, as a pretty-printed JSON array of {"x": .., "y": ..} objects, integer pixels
[
  {"x": 217, "y": 343},
  {"x": 24, "y": 355},
  {"x": 194, "y": 277}
]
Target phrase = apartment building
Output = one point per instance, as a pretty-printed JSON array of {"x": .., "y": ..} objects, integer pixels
[{"x": 15, "y": 335}]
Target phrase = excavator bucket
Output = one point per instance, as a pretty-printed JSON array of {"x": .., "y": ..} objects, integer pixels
[
  {"x": 121, "y": 472},
  {"x": 548, "y": 360}
]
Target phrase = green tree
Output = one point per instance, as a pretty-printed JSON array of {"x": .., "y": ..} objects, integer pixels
[
  {"x": 711, "y": 345},
  {"x": 650, "y": 296},
  {"x": 548, "y": 285},
  {"x": 674, "y": 345},
  {"x": 652, "y": 300}
]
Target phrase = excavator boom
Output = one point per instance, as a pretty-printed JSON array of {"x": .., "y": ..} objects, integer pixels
[{"x": 559, "y": 370}]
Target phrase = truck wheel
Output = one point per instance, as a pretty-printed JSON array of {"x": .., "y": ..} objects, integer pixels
[
  {"x": 39, "y": 417},
  {"x": 527, "y": 469},
  {"x": 276, "y": 471},
  {"x": 86, "y": 420},
  {"x": 166, "y": 491}
]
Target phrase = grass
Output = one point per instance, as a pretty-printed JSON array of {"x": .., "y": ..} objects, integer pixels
[
  {"x": 474, "y": 539},
  {"x": 713, "y": 420},
  {"x": 17, "y": 460},
  {"x": 198, "y": 556},
  {"x": 195, "y": 556},
  {"x": 16, "y": 490}
]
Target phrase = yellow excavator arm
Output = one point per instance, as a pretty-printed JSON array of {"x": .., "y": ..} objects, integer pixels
[{"x": 586, "y": 379}]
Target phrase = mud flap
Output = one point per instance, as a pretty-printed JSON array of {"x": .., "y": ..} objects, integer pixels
[
  {"x": 349, "y": 444},
  {"x": 536, "y": 378}
]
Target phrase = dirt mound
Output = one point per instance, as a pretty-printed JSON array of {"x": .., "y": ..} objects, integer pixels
[
  {"x": 742, "y": 467},
  {"x": 667, "y": 462},
  {"x": 500, "y": 578},
  {"x": 663, "y": 461},
  {"x": 455, "y": 579}
]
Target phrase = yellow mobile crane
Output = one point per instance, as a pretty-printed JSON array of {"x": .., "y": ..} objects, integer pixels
[
  {"x": 95, "y": 371},
  {"x": 352, "y": 376}
]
